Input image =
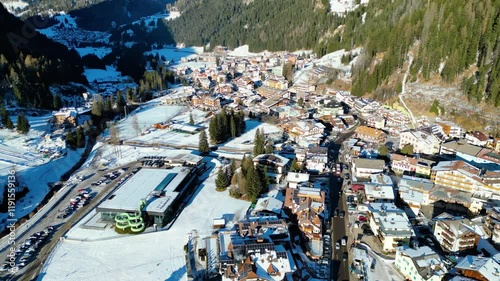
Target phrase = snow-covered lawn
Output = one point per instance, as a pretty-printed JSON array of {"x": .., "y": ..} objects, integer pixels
[
  {"x": 150, "y": 256},
  {"x": 245, "y": 141},
  {"x": 108, "y": 80},
  {"x": 147, "y": 115}
]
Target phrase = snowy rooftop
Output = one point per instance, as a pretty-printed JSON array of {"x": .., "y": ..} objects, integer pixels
[
  {"x": 127, "y": 197},
  {"x": 381, "y": 179},
  {"x": 379, "y": 191}
]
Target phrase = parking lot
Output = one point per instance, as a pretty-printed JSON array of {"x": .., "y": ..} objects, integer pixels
[{"x": 26, "y": 253}]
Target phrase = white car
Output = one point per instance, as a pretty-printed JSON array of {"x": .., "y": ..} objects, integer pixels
[{"x": 344, "y": 241}]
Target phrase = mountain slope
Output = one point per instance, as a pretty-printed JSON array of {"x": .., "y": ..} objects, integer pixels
[
  {"x": 262, "y": 24},
  {"x": 31, "y": 62},
  {"x": 451, "y": 42}
]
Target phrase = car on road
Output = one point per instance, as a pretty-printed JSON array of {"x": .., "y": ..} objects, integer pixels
[
  {"x": 337, "y": 245},
  {"x": 344, "y": 256},
  {"x": 362, "y": 218},
  {"x": 344, "y": 241},
  {"x": 342, "y": 214},
  {"x": 429, "y": 241},
  {"x": 336, "y": 213}
]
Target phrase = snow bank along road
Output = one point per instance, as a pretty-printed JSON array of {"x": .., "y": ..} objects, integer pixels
[{"x": 48, "y": 216}]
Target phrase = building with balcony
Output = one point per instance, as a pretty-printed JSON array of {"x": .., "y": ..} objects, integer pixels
[
  {"x": 460, "y": 175},
  {"x": 479, "y": 268},
  {"x": 454, "y": 235},
  {"x": 492, "y": 224},
  {"x": 370, "y": 134},
  {"x": 420, "y": 264},
  {"x": 390, "y": 224},
  {"x": 415, "y": 192},
  {"x": 308, "y": 204},
  {"x": 275, "y": 165},
  {"x": 421, "y": 141}
]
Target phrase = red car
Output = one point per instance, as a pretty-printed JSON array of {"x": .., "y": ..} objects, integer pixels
[{"x": 362, "y": 219}]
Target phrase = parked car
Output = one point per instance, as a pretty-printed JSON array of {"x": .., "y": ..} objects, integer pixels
[
  {"x": 342, "y": 214},
  {"x": 344, "y": 241},
  {"x": 336, "y": 213},
  {"x": 362, "y": 219},
  {"x": 337, "y": 245},
  {"x": 344, "y": 256},
  {"x": 429, "y": 241}
]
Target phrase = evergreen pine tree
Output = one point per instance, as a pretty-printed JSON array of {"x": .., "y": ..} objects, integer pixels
[
  {"x": 222, "y": 180},
  {"x": 70, "y": 140},
  {"x": 7, "y": 122},
  {"x": 191, "y": 119},
  {"x": 203, "y": 146},
  {"x": 233, "y": 127},
  {"x": 23, "y": 125},
  {"x": 259, "y": 143},
  {"x": 56, "y": 101},
  {"x": 80, "y": 137}
]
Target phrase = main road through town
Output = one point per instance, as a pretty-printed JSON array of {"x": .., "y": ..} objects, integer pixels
[
  {"x": 339, "y": 270},
  {"x": 62, "y": 225}
]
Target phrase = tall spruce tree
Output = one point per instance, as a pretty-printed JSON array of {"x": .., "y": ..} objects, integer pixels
[
  {"x": 203, "y": 146},
  {"x": 222, "y": 181},
  {"x": 259, "y": 143},
  {"x": 23, "y": 124},
  {"x": 80, "y": 137}
]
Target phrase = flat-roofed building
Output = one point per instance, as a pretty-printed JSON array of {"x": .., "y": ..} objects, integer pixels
[
  {"x": 390, "y": 224},
  {"x": 159, "y": 188},
  {"x": 364, "y": 168}
]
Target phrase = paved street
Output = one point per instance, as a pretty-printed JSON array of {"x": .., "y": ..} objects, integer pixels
[
  {"x": 339, "y": 269},
  {"x": 49, "y": 217}
]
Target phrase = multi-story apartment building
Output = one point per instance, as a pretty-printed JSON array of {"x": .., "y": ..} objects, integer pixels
[
  {"x": 454, "y": 235},
  {"x": 421, "y": 141},
  {"x": 420, "y": 264},
  {"x": 463, "y": 176},
  {"x": 364, "y": 168},
  {"x": 492, "y": 224},
  {"x": 275, "y": 165},
  {"x": 390, "y": 224},
  {"x": 308, "y": 204},
  {"x": 479, "y": 268},
  {"x": 370, "y": 134}
]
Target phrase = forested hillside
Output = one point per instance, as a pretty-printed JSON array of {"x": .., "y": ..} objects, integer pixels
[
  {"x": 454, "y": 40},
  {"x": 262, "y": 24},
  {"x": 30, "y": 63}
]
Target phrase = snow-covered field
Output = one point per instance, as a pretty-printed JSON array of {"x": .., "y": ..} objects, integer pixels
[
  {"x": 150, "y": 256},
  {"x": 342, "y": 6},
  {"x": 14, "y": 5},
  {"x": 99, "y": 52},
  {"x": 109, "y": 80},
  {"x": 242, "y": 51},
  {"x": 246, "y": 140},
  {"x": 330, "y": 60},
  {"x": 176, "y": 54}
]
